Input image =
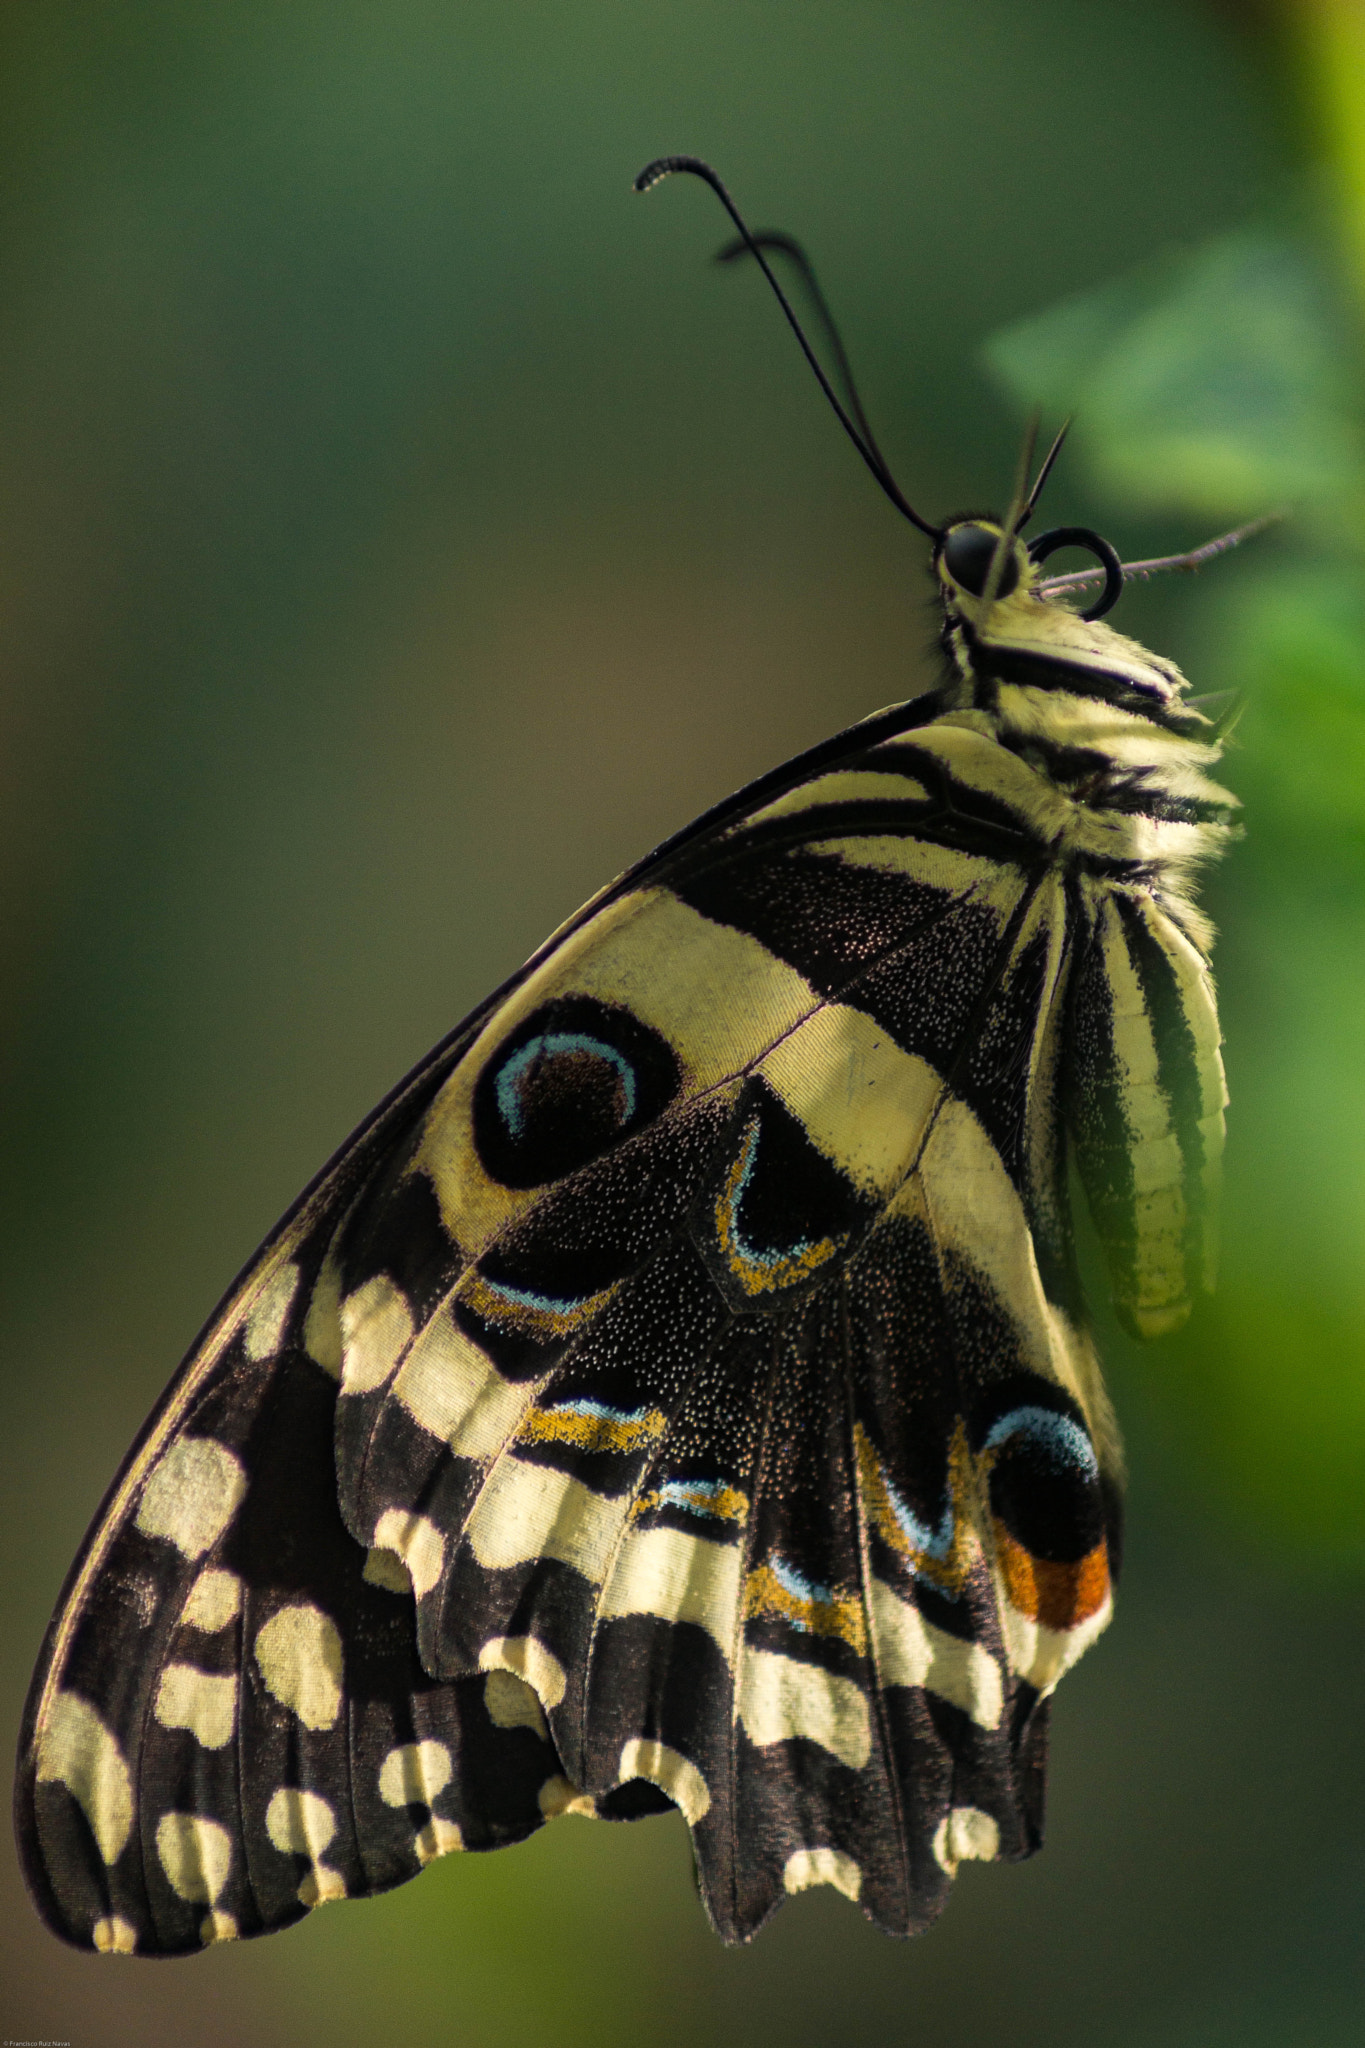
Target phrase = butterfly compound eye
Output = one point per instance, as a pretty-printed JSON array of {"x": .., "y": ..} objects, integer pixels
[{"x": 967, "y": 555}]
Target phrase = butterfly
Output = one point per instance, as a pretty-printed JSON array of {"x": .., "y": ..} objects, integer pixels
[{"x": 680, "y": 1391}]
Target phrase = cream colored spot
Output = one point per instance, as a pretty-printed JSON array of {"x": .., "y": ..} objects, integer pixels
[
  {"x": 809, "y": 1867},
  {"x": 557, "y": 1797},
  {"x": 453, "y": 1391},
  {"x": 526, "y": 1657},
  {"x": 302, "y": 1823},
  {"x": 299, "y": 1652},
  {"x": 75, "y": 1749},
  {"x": 417, "y": 1541},
  {"x": 385, "y": 1570},
  {"x": 780, "y": 1697},
  {"x": 192, "y": 1494},
  {"x": 376, "y": 1329},
  {"x": 672, "y": 1772},
  {"x": 965, "y": 1833},
  {"x": 217, "y": 1927},
  {"x": 270, "y": 1312},
  {"x": 114, "y": 1936},
  {"x": 862, "y": 1101},
  {"x": 215, "y": 1600},
  {"x": 531, "y": 1511},
  {"x": 1040, "y": 1654},
  {"x": 200, "y": 1701},
  {"x": 510, "y": 1703},
  {"x": 415, "y": 1775},
  {"x": 438, "y": 1838},
  {"x": 321, "y": 1885},
  {"x": 911, "y": 1651},
  {"x": 676, "y": 1577},
  {"x": 322, "y": 1324},
  {"x": 196, "y": 1855}
]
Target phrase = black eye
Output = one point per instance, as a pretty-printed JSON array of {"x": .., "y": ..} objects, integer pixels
[{"x": 967, "y": 556}]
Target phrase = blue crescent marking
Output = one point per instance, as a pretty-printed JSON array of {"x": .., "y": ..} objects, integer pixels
[
  {"x": 548, "y": 1045},
  {"x": 1065, "y": 1440},
  {"x": 935, "y": 1543}
]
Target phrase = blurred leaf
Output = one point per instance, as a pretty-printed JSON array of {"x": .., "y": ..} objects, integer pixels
[{"x": 1214, "y": 380}]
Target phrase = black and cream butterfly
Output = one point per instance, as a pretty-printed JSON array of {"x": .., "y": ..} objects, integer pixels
[{"x": 680, "y": 1391}]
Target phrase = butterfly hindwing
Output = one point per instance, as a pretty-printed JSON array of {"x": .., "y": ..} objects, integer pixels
[{"x": 636, "y": 1421}]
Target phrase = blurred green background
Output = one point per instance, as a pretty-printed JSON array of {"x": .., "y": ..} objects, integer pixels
[{"x": 402, "y": 528}]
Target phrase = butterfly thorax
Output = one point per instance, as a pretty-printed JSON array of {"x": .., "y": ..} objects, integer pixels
[{"x": 1107, "y": 725}]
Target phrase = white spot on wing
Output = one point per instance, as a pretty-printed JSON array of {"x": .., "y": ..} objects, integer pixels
[
  {"x": 215, "y": 1600},
  {"x": 264, "y": 1326},
  {"x": 217, "y": 1926},
  {"x": 299, "y": 1652},
  {"x": 415, "y": 1774},
  {"x": 192, "y": 1494},
  {"x": 196, "y": 1855},
  {"x": 965, "y": 1833},
  {"x": 672, "y": 1772},
  {"x": 808, "y": 1867},
  {"x": 376, "y": 1329},
  {"x": 510, "y": 1703},
  {"x": 417, "y": 1541},
  {"x": 780, "y": 1697},
  {"x": 528, "y": 1658},
  {"x": 114, "y": 1936},
  {"x": 200, "y": 1701},
  {"x": 75, "y": 1749}
]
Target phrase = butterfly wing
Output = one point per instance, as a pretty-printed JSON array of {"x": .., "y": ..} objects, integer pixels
[{"x": 712, "y": 1376}]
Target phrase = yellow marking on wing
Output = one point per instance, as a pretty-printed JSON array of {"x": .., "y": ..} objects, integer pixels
[
  {"x": 911, "y": 1651},
  {"x": 965, "y": 1833},
  {"x": 76, "y": 1749},
  {"x": 376, "y": 1329},
  {"x": 453, "y": 1390},
  {"x": 299, "y": 1654},
  {"x": 676, "y": 1576},
  {"x": 863, "y": 1103},
  {"x": 951, "y": 1572},
  {"x": 528, "y": 1511},
  {"x": 530, "y": 1660},
  {"x": 724, "y": 1503},
  {"x": 838, "y": 1614},
  {"x": 806, "y": 1868},
  {"x": 844, "y": 785},
  {"x": 204, "y": 1702},
  {"x": 782, "y": 1270},
  {"x": 265, "y": 1323},
  {"x": 585, "y": 1431},
  {"x": 196, "y": 1855},
  {"x": 672, "y": 1772},
  {"x": 500, "y": 1307},
  {"x": 192, "y": 1494},
  {"x": 781, "y": 1698}
]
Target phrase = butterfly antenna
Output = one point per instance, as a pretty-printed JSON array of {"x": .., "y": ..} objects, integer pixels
[
  {"x": 1020, "y": 506},
  {"x": 1053, "y": 452},
  {"x": 787, "y": 245},
  {"x": 1162, "y": 565},
  {"x": 666, "y": 167}
]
